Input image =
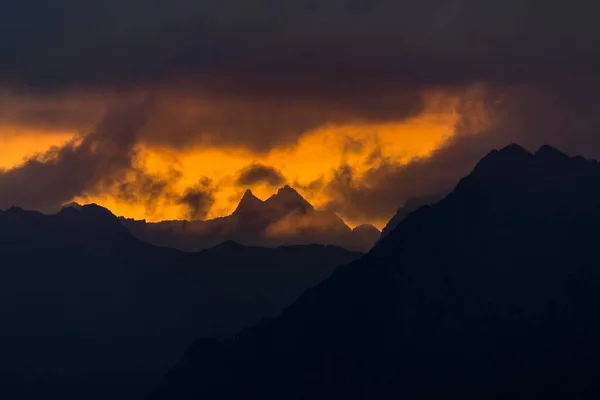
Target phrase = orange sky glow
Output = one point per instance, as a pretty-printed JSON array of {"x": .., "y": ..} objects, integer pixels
[{"x": 315, "y": 156}]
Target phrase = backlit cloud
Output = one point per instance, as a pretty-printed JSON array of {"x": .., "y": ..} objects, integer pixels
[
  {"x": 257, "y": 174},
  {"x": 167, "y": 112}
]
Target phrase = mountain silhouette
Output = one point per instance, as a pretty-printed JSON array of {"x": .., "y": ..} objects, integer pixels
[
  {"x": 492, "y": 292},
  {"x": 411, "y": 205},
  {"x": 287, "y": 200},
  {"x": 285, "y": 218},
  {"x": 365, "y": 233},
  {"x": 89, "y": 311},
  {"x": 72, "y": 204},
  {"x": 248, "y": 204}
]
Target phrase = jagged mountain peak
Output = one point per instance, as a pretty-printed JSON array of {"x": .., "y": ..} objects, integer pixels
[
  {"x": 504, "y": 160},
  {"x": 286, "y": 188},
  {"x": 289, "y": 199},
  {"x": 94, "y": 218},
  {"x": 365, "y": 228},
  {"x": 550, "y": 153},
  {"x": 288, "y": 192},
  {"x": 72, "y": 204},
  {"x": 248, "y": 203},
  {"x": 15, "y": 210},
  {"x": 411, "y": 204}
]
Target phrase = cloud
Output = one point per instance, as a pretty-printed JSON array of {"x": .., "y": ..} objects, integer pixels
[
  {"x": 180, "y": 119},
  {"x": 296, "y": 225},
  {"x": 376, "y": 194},
  {"x": 48, "y": 180},
  {"x": 111, "y": 42},
  {"x": 76, "y": 112},
  {"x": 103, "y": 162},
  {"x": 140, "y": 187},
  {"x": 260, "y": 174},
  {"x": 559, "y": 115},
  {"x": 198, "y": 199},
  {"x": 259, "y": 74}
]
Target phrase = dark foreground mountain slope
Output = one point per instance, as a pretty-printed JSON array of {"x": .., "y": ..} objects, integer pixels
[
  {"x": 90, "y": 312},
  {"x": 284, "y": 219},
  {"x": 494, "y": 292},
  {"x": 410, "y": 206}
]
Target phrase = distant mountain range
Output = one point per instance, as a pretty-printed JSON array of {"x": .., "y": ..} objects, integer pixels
[
  {"x": 88, "y": 311},
  {"x": 285, "y": 218},
  {"x": 492, "y": 292}
]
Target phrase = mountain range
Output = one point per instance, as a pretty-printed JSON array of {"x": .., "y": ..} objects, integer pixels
[
  {"x": 285, "y": 218},
  {"x": 89, "y": 311},
  {"x": 491, "y": 292}
]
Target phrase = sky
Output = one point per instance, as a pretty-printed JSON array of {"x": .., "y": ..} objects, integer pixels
[{"x": 171, "y": 110}]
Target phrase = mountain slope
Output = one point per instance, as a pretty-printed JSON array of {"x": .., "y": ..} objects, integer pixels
[
  {"x": 82, "y": 301},
  {"x": 285, "y": 218},
  {"x": 249, "y": 203},
  {"x": 491, "y": 293},
  {"x": 411, "y": 205}
]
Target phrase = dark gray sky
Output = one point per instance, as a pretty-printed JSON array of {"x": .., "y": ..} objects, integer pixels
[{"x": 382, "y": 42}]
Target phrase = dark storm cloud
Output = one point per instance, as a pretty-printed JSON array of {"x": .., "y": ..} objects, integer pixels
[
  {"x": 181, "y": 118},
  {"x": 262, "y": 73},
  {"x": 51, "y": 112},
  {"x": 140, "y": 187},
  {"x": 51, "y": 179},
  {"x": 251, "y": 43},
  {"x": 258, "y": 173},
  {"x": 102, "y": 162},
  {"x": 198, "y": 199},
  {"x": 262, "y": 123}
]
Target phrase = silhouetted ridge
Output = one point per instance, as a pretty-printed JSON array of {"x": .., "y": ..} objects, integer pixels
[
  {"x": 15, "y": 210},
  {"x": 90, "y": 312},
  {"x": 96, "y": 220},
  {"x": 286, "y": 218},
  {"x": 411, "y": 205},
  {"x": 96, "y": 211},
  {"x": 249, "y": 203},
  {"x": 504, "y": 161},
  {"x": 551, "y": 154},
  {"x": 228, "y": 245},
  {"x": 289, "y": 200},
  {"x": 548, "y": 181},
  {"x": 492, "y": 292},
  {"x": 366, "y": 228},
  {"x": 72, "y": 204}
]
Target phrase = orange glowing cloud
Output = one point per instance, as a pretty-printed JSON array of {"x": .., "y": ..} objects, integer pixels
[
  {"x": 311, "y": 159},
  {"x": 18, "y": 143}
]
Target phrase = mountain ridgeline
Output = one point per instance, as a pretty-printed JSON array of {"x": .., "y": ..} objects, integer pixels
[
  {"x": 410, "y": 206},
  {"x": 285, "y": 218},
  {"x": 89, "y": 311},
  {"x": 492, "y": 292}
]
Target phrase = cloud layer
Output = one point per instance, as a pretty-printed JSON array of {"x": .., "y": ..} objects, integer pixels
[
  {"x": 260, "y": 174},
  {"x": 429, "y": 41},
  {"x": 260, "y": 76},
  {"x": 103, "y": 161}
]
